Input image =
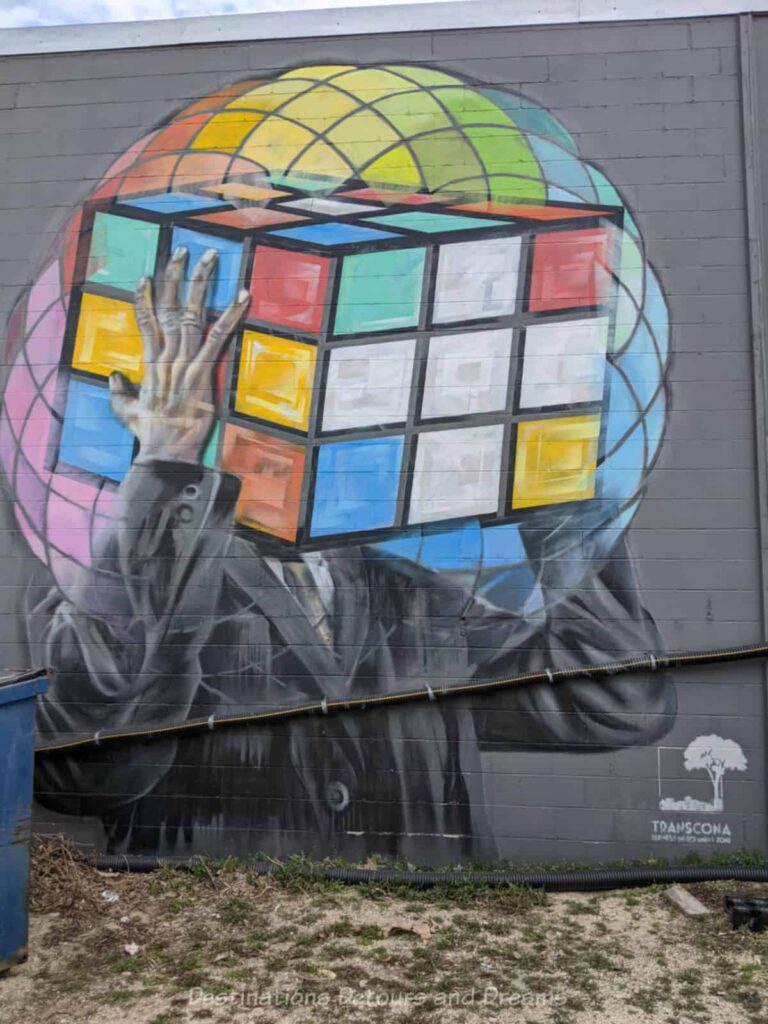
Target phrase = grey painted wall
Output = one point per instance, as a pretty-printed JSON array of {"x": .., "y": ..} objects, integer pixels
[{"x": 657, "y": 106}]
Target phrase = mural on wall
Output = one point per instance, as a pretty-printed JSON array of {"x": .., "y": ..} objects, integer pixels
[{"x": 381, "y": 417}]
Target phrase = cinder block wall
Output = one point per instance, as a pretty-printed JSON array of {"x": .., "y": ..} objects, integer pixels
[{"x": 658, "y": 108}]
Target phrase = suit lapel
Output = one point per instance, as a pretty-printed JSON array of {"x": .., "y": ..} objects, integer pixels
[
  {"x": 330, "y": 667},
  {"x": 351, "y": 606},
  {"x": 277, "y": 604}
]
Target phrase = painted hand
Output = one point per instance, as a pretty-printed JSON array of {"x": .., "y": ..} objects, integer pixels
[{"x": 172, "y": 413}]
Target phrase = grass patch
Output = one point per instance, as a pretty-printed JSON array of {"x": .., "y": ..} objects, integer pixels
[{"x": 226, "y": 930}]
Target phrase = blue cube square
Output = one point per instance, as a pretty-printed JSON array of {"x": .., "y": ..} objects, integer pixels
[
  {"x": 175, "y": 203},
  {"x": 356, "y": 485},
  {"x": 333, "y": 233},
  {"x": 91, "y": 437},
  {"x": 226, "y": 278}
]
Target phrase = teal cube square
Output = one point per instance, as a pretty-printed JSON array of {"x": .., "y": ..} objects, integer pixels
[
  {"x": 122, "y": 251},
  {"x": 380, "y": 291},
  {"x": 432, "y": 223}
]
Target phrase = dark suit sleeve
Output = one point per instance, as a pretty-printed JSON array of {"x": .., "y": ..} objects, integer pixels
[
  {"x": 603, "y": 620},
  {"x": 124, "y": 645}
]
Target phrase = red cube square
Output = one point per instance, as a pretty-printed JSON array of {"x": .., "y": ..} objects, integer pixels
[
  {"x": 289, "y": 288},
  {"x": 271, "y": 472},
  {"x": 570, "y": 269}
]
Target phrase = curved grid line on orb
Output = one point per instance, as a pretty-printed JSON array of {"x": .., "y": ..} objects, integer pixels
[
  {"x": 28, "y": 326},
  {"x": 639, "y": 422},
  {"x": 18, "y": 456},
  {"x": 615, "y": 362},
  {"x": 455, "y": 83},
  {"x": 177, "y": 135},
  {"x": 209, "y": 102},
  {"x": 460, "y": 128},
  {"x": 362, "y": 106},
  {"x": 456, "y": 126},
  {"x": 50, "y": 476},
  {"x": 478, "y": 88}
]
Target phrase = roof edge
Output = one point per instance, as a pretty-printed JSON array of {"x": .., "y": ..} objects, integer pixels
[{"x": 351, "y": 21}]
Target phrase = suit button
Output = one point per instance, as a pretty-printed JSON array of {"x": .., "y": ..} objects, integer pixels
[
  {"x": 337, "y": 796},
  {"x": 185, "y": 513},
  {"x": 192, "y": 491}
]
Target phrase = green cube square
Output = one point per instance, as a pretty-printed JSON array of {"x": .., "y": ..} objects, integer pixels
[
  {"x": 122, "y": 251},
  {"x": 380, "y": 291}
]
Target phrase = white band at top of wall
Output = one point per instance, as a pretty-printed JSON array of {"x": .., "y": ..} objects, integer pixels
[{"x": 352, "y": 20}]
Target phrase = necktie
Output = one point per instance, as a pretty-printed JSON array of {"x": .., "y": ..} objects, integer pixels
[{"x": 301, "y": 583}]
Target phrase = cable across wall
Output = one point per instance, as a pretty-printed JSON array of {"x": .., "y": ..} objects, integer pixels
[{"x": 553, "y": 677}]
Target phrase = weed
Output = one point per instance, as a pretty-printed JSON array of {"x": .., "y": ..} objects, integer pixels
[
  {"x": 236, "y": 910},
  {"x": 121, "y": 995},
  {"x": 124, "y": 964}
]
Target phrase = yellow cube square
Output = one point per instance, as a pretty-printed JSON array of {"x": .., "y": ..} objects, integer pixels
[
  {"x": 274, "y": 381},
  {"x": 107, "y": 338},
  {"x": 555, "y": 461}
]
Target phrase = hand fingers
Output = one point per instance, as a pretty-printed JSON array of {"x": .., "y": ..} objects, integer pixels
[
  {"x": 193, "y": 315},
  {"x": 220, "y": 334},
  {"x": 169, "y": 307},
  {"x": 123, "y": 397},
  {"x": 149, "y": 328}
]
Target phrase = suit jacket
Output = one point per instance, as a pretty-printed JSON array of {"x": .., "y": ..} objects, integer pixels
[{"x": 181, "y": 618}]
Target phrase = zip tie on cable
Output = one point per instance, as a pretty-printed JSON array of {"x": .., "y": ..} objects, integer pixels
[
  {"x": 550, "y": 676},
  {"x": 654, "y": 663},
  {"x": 430, "y": 692},
  {"x": 324, "y": 705},
  {"x": 96, "y": 741},
  {"x": 210, "y": 722}
]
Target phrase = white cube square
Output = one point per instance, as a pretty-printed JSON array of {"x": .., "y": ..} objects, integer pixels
[
  {"x": 329, "y": 207},
  {"x": 456, "y": 473},
  {"x": 467, "y": 373},
  {"x": 368, "y": 385},
  {"x": 564, "y": 363},
  {"x": 476, "y": 280}
]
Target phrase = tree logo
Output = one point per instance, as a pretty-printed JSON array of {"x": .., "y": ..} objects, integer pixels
[{"x": 713, "y": 755}]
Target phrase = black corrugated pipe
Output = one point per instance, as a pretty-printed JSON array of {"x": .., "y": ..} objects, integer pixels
[{"x": 589, "y": 880}]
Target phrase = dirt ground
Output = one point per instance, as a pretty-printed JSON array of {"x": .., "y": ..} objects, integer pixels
[{"x": 222, "y": 945}]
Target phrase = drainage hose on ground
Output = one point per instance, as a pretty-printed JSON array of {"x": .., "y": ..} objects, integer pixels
[{"x": 589, "y": 880}]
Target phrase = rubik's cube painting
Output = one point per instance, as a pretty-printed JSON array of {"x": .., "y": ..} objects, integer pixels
[
  {"x": 455, "y": 337},
  {"x": 406, "y": 359}
]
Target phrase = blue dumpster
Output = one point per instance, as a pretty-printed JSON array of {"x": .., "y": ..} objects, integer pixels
[{"x": 17, "y": 743}]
